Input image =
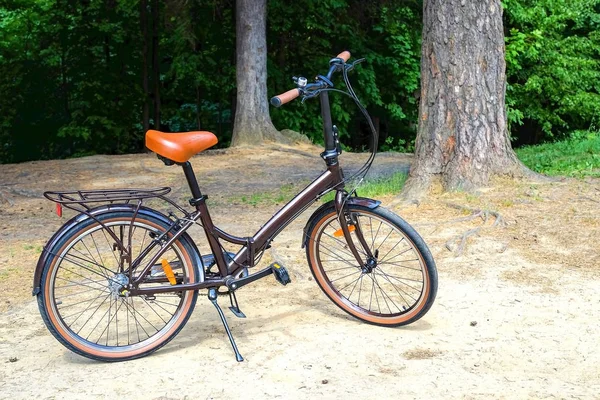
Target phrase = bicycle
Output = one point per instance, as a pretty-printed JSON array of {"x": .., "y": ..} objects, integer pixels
[{"x": 119, "y": 280}]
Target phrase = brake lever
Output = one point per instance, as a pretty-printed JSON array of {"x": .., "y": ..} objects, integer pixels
[
  {"x": 309, "y": 95},
  {"x": 350, "y": 67}
]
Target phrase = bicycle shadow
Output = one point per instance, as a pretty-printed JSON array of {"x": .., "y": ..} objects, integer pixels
[{"x": 205, "y": 325}]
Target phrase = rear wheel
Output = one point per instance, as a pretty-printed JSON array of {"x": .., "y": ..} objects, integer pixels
[
  {"x": 80, "y": 300},
  {"x": 396, "y": 288}
]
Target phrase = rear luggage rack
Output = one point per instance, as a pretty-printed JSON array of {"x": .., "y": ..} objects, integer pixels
[
  {"x": 85, "y": 200},
  {"x": 104, "y": 196}
]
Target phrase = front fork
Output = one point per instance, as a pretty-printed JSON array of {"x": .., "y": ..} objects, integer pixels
[{"x": 367, "y": 256}]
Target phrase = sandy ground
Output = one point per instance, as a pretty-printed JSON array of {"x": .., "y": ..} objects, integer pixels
[{"x": 516, "y": 314}]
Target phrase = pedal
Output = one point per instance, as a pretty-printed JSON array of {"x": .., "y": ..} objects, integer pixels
[
  {"x": 237, "y": 312},
  {"x": 280, "y": 273},
  {"x": 235, "y": 308}
]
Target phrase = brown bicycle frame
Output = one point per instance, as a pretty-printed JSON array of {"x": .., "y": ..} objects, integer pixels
[{"x": 331, "y": 179}]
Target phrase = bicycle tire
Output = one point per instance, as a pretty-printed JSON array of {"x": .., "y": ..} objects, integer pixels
[
  {"x": 322, "y": 257},
  {"x": 78, "y": 271}
]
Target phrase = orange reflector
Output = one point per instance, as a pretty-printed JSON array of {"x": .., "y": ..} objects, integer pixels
[
  {"x": 168, "y": 271},
  {"x": 340, "y": 232},
  {"x": 59, "y": 209}
]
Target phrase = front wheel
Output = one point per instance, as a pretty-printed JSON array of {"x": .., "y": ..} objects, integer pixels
[{"x": 397, "y": 288}]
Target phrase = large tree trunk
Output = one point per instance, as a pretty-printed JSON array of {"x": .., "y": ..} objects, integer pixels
[
  {"x": 252, "y": 121},
  {"x": 144, "y": 29},
  {"x": 156, "y": 62},
  {"x": 462, "y": 135}
]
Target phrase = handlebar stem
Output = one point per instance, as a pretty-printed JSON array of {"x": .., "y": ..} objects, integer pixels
[{"x": 327, "y": 124}]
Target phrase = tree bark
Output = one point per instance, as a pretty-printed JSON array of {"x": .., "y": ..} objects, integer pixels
[
  {"x": 462, "y": 135},
  {"x": 156, "y": 62},
  {"x": 252, "y": 120},
  {"x": 144, "y": 29}
]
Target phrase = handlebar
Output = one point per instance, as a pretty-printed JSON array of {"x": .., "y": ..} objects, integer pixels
[
  {"x": 344, "y": 55},
  {"x": 284, "y": 98},
  {"x": 290, "y": 95}
]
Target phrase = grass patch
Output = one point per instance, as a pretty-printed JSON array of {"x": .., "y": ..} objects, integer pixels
[
  {"x": 373, "y": 188},
  {"x": 285, "y": 193},
  {"x": 578, "y": 156}
]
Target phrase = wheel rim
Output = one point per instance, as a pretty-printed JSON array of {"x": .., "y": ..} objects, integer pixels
[
  {"x": 391, "y": 291},
  {"x": 87, "y": 309}
]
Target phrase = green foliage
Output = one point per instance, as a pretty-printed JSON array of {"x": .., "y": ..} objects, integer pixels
[
  {"x": 71, "y": 72},
  {"x": 553, "y": 67},
  {"x": 577, "y": 156},
  {"x": 302, "y": 36},
  {"x": 68, "y": 83}
]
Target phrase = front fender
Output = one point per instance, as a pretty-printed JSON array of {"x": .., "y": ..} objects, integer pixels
[
  {"x": 62, "y": 231},
  {"x": 360, "y": 201}
]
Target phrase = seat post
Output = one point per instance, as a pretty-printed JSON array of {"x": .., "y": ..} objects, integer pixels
[
  {"x": 199, "y": 201},
  {"x": 191, "y": 179}
]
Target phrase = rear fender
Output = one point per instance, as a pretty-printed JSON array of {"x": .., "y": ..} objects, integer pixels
[
  {"x": 359, "y": 201},
  {"x": 95, "y": 212}
]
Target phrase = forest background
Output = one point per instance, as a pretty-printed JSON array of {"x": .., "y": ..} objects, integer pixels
[{"x": 86, "y": 77}]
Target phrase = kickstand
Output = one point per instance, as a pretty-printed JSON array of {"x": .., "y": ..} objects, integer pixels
[{"x": 212, "y": 296}]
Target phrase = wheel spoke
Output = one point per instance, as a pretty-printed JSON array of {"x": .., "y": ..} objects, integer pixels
[
  {"x": 356, "y": 280},
  {"x": 383, "y": 293},
  {"x": 388, "y": 235},
  {"x": 344, "y": 250},
  {"x": 400, "y": 289},
  {"x": 98, "y": 251},
  {"x": 152, "y": 308},
  {"x": 163, "y": 302},
  {"x": 110, "y": 246},
  {"x": 81, "y": 265},
  {"x": 399, "y": 254},
  {"x": 360, "y": 289},
  {"x": 398, "y": 279},
  {"x": 330, "y": 253},
  {"x": 344, "y": 244},
  {"x": 145, "y": 319},
  {"x": 354, "y": 287},
  {"x": 339, "y": 269},
  {"x": 376, "y": 234},
  {"x": 89, "y": 261},
  {"x": 80, "y": 313},
  {"x": 392, "y": 249},
  {"x": 337, "y": 279},
  {"x": 78, "y": 284},
  {"x": 400, "y": 265}
]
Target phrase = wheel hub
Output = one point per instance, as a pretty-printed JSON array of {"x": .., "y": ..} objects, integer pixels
[
  {"x": 116, "y": 284},
  {"x": 370, "y": 265}
]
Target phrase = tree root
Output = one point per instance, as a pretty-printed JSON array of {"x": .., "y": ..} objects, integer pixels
[
  {"x": 291, "y": 150},
  {"x": 24, "y": 193},
  {"x": 588, "y": 198},
  {"x": 463, "y": 241},
  {"x": 475, "y": 213},
  {"x": 5, "y": 199}
]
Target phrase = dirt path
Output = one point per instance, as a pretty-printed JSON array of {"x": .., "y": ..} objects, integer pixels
[{"x": 516, "y": 315}]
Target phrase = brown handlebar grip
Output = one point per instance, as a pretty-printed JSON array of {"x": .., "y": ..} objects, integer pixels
[
  {"x": 286, "y": 97},
  {"x": 344, "y": 55}
]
